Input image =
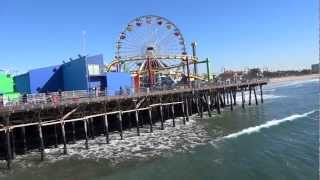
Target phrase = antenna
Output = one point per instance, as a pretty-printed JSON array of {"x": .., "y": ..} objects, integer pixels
[{"x": 83, "y": 42}]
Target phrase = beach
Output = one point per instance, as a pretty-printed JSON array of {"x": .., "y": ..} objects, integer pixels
[{"x": 280, "y": 80}]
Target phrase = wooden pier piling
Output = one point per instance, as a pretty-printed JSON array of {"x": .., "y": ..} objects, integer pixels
[
  {"x": 186, "y": 102},
  {"x": 217, "y": 103},
  {"x": 24, "y": 140},
  {"x": 207, "y": 97},
  {"x": 120, "y": 124},
  {"x": 242, "y": 98},
  {"x": 183, "y": 112},
  {"x": 73, "y": 132},
  {"x": 55, "y": 136},
  {"x": 150, "y": 114},
  {"x": 13, "y": 143},
  {"x": 63, "y": 131},
  {"x": 85, "y": 126},
  {"x": 172, "y": 112},
  {"x": 41, "y": 141},
  {"x": 8, "y": 142},
  {"x": 231, "y": 103},
  {"x": 161, "y": 114},
  {"x": 255, "y": 95},
  {"x": 136, "y": 116},
  {"x": 106, "y": 128},
  {"x": 91, "y": 128},
  {"x": 261, "y": 93},
  {"x": 249, "y": 95},
  {"x": 234, "y": 93}
]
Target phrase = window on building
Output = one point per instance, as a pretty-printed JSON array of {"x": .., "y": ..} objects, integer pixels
[{"x": 94, "y": 69}]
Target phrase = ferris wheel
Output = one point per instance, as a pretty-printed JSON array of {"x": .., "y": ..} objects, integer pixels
[{"x": 150, "y": 37}]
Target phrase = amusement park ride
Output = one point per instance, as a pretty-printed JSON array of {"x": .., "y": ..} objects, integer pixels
[{"x": 153, "y": 50}]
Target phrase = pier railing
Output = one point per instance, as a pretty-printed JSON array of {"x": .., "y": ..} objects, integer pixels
[{"x": 28, "y": 101}]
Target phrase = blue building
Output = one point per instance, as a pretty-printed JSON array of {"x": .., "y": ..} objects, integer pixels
[
  {"x": 84, "y": 73},
  {"x": 39, "y": 80}
]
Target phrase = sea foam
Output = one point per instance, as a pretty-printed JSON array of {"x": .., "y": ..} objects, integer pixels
[{"x": 268, "y": 124}]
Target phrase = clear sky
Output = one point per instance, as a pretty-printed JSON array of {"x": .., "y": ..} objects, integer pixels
[{"x": 279, "y": 34}]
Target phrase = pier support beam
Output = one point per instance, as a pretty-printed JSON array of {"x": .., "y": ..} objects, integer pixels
[
  {"x": 120, "y": 120},
  {"x": 183, "y": 112},
  {"x": 196, "y": 101},
  {"x": 8, "y": 143},
  {"x": 224, "y": 97},
  {"x": 161, "y": 114},
  {"x": 73, "y": 132},
  {"x": 24, "y": 140},
  {"x": 85, "y": 126},
  {"x": 249, "y": 95},
  {"x": 221, "y": 100},
  {"x": 55, "y": 136},
  {"x": 186, "y": 102},
  {"x": 261, "y": 94},
  {"x": 120, "y": 125},
  {"x": 41, "y": 141},
  {"x": 217, "y": 102},
  {"x": 234, "y": 93},
  {"x": 106, "y": 128},
  {"x": 106, "y": 123},
  {"x": 255, "y": 95},
  {"x": 207, "y": 97},
  {"x": 242, "y": 98},
  {"x": 150, "y": 114},
  {"x": 64, "y": 138},
  {"x": 231, "y": 103},
  {"x": 92, "y": 128},
  {"x": 13, "y": 142},
  {"x": 172, "y": 112},
  {"x": 136, "y": 116},
  {"x": 200, "y": 102}
]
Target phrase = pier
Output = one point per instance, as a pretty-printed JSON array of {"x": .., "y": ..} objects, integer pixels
[{"x": 64, "y": 119}]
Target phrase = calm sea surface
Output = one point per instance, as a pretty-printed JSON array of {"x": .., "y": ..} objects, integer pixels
[{"x": 275, "y": 140}]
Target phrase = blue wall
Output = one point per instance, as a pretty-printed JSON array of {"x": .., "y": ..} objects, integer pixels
[
  {"x": 39, "y": 78},
  {"x": 115, "y": 80},
  {"x": 75, "y": 75},
  {"x": 22, "y": 83}
]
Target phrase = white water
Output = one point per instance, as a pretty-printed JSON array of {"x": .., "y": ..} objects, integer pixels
[
  {"x": 172, "y": 139},
  {"x": 268, "y": 124},
  {"x": 292, "y": 83}
]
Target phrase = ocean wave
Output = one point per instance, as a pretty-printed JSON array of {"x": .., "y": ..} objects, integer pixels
[{"x": 268, "y": 124}]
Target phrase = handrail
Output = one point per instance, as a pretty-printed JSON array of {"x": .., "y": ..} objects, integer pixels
[{"x": 30, "y": 101}]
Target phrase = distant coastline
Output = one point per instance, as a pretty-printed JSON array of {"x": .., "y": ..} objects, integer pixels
[{"x": 279, "y": 80}]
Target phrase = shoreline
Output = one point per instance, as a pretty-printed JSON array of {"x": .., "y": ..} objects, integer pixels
[{"x": 280, "y": 80}]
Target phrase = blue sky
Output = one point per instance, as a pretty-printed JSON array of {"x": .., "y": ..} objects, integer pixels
[{"x": 234, "y": 34}]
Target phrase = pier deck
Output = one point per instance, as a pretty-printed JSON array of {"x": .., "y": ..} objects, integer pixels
[{"x": 26, "y": 126}]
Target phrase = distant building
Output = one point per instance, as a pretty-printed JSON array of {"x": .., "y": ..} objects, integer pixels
[
  {"x": 84, "y": 73},
  {"x": 315, "y": 68}
]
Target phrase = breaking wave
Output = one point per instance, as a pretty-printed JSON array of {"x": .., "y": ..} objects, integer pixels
[{"x": 268, "y": 124}]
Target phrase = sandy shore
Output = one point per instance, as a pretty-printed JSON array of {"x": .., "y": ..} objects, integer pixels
[{"x": 293, "y": 78}]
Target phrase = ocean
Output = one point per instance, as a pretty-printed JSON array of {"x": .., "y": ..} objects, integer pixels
[{"x": 276, "y": 140}]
